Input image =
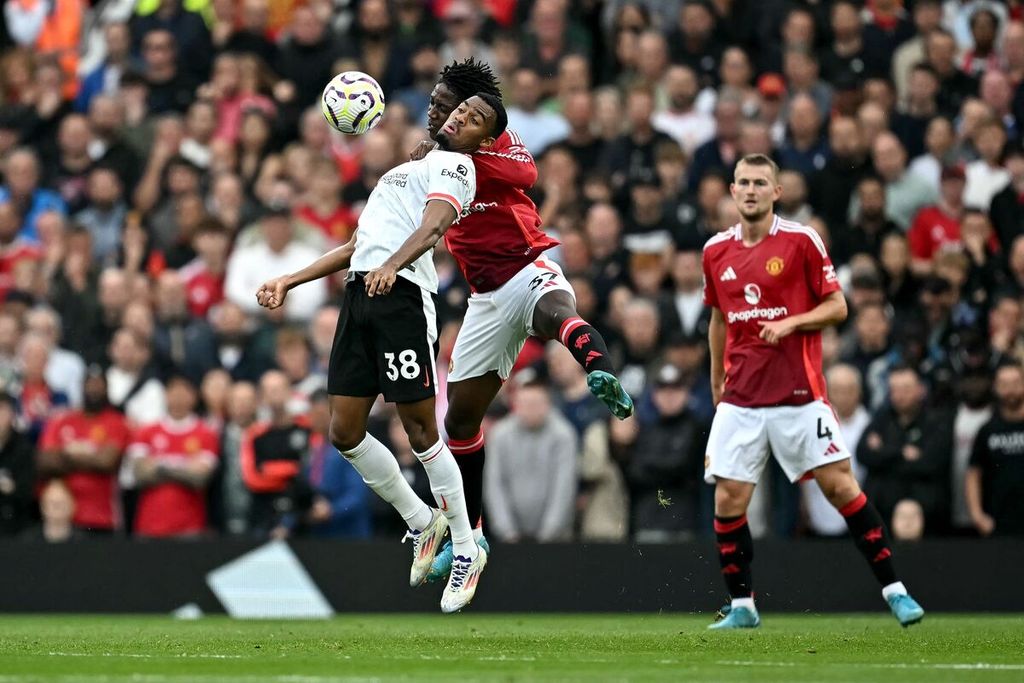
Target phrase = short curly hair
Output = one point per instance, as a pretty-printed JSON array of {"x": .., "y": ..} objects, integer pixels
[{"x": 469, "y": 77}]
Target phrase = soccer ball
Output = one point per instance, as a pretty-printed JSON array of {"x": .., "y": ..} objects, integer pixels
[{"x": 353, "y": 102}]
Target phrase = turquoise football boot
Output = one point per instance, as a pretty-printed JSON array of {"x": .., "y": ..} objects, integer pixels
[
  {"x": 442, "y": 565},
  {"x": 737, "y": 617},
  {"x": 905, "y": 609},
  {"x": 606, "y": 387}
]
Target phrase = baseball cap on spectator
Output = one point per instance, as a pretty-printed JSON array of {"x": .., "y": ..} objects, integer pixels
[
  {"x": 953, "y": 173},
  {"x": 933, "y": 284},
  {"x": 669, "y": 376},
  {"x": 771, "y": 85}
]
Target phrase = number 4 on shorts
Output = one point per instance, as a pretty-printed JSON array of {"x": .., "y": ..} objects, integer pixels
[{"x": 823, "y": 431}]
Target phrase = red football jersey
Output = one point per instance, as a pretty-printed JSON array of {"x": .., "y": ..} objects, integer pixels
[
  {"x": 499, "y": 234},
  {"x": 787, "y": 273},
  {"x": 933, "y": 230},
  {"x": 205, "y": 290},
  {"x": 171, "y": 508},
  {"x": 97, "y": 503}
]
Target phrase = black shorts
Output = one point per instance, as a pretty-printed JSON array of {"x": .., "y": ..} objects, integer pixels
[{"x": 386, "y": 344}]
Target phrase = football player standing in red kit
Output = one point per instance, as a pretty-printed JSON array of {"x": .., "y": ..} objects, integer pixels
[
  {"x": 772, "y": 289},
  {"x": 516, "y": 292}
]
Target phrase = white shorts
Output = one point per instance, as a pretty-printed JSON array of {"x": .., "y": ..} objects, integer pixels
[
  {"x": 801, "y": 438},
  {"x": 497, "y": 323}
]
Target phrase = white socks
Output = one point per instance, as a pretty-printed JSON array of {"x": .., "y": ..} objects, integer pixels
[
  {"x": 381, "y": 473},
  {"x": 446, "y": 484},
  {"x": 894, "y": 589},
  {"x": 744, "y": 602}
]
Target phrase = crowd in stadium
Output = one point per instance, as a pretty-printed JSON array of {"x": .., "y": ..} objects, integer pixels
[{"x": 160, "y": 159}]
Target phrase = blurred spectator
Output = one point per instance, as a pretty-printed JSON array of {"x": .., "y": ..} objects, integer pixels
[
  {"x": 530, "y": 475},
  {"x": 639, "y": 348},
  {"x": 573, "y": 398},
  {"x": 38, "y": 400},
  {"x": 689, "y": 127},
  {"x": 536, "y": 127},
  {"x": 805, "y": 151},
  {"x": 955, "y": 85},
  {"x": 927, "y": 16},
  {"x": 938, "y": 144},
  {"x": 16, "y": 252},
  {"x": 204, "y": 275},
  {"x": 664, "y": 466},
  {"x": 84, "y": 448},
  {"x": 191, "y": 36},
  {"x": 1007, "y": 208},
  {"x": 17, "y": 471},
  {"x": 170, "y": 88},
  {"x": 230, "y": 498},
  {"x": 974, "y": 410},
  {"x": 937, "y": 228},
  {"x": 908, "y": 521},
  {"x": 986, "y": 177},
  {"x": 845, "y": 395},
  {"x": 104, "y": 214},
  {"x": 906, "y": 452},
  {"x": 995, "y": 478},
  {"x": 271, "y": 454},
  {"x": 603, "y": 502},
  {"x": 106, "y": 77},
  {"x": 339, "y": 508},
  {"x": 171, "y": 462},
  {"x": 133, "y": 386},
  {"x": 182, "y": 344},
  {"x": 720, "y": 152},
  {"x": 277, "y": 252},
  {"x": 65, "y": 369},
  {"x": 21, "y": 188},
  {"x": 682, "y": 311},
  {"x": 905, "y": 193}
]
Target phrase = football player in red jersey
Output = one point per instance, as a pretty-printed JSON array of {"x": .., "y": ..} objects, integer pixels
[
  {"x": 516, "y": 292},
  {"x": 772, "y": 289}
]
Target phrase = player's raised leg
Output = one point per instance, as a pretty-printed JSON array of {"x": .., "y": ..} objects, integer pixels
[
  {"x": 555, "y": 317},
  {"x": 446, "y": 484},
  {"x": 379, "y": 469},
  {"x": 735, "y": 552},
  {"x": 869, "y": 535},
  {"x": 468, "y": 401}
]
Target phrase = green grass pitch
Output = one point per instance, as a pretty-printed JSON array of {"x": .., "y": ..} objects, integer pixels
[{"x": 512, "y": 647}]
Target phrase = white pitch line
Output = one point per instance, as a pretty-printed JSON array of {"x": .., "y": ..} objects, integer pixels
[
  {"x": 141, "y": 655},
  {"x": 969, "y": 666}
]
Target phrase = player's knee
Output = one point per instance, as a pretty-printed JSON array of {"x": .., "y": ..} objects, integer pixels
[
  {"x": 551, "y": 311},
  {"x": 344, "y": 436},
  {"x": 461, "y": 427},
  {"x": 840, "y": 491},
  {"x": 422, "y": 433}
]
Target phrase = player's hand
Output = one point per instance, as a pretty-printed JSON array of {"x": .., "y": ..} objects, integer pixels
[
  {"x": 717, "y": 389},
  {"x": 421, "y": 150},
  {"x": 774, "y": 331},
  {"x": 380, "y": 280},
  {"x": 984, "y": 524},
  {"x": 271, "y": 293}
]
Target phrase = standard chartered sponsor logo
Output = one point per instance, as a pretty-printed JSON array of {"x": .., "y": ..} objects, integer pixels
[{"x": 758, "y": 314}]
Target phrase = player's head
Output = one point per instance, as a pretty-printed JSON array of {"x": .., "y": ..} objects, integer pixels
[
  {"x": 755, "y": 186},
  {"x": 459, "y": 81},
  {"x": 475, "y": 124}
]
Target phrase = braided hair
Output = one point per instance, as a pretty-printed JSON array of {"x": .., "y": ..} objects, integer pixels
[{"x": 469, "y": 77}]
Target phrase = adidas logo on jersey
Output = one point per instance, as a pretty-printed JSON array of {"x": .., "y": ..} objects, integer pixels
[
  {"x": 729, "y": 274},
  {"x": 832, "y": 449}
]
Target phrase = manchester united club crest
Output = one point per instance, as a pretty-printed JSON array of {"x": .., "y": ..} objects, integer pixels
[{"x": 774, "y": 266}]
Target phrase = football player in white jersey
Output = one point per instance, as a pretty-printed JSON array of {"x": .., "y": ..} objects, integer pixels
[{"x": 387, "y": 336}]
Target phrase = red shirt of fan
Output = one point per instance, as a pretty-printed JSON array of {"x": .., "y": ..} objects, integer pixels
[
  {"x": 499, "y": 232},
  {"x": 787, "y": 273},
  {"x": 932, "y": 231},
  {"x": 97, "y": 503},
  {"x": 172, "y": 508},
  {"x": 11, "y": 256},
  {"x": 205, "y": 290}
]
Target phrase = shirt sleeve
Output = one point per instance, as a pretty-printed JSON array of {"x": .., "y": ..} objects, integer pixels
[
  {"x": 511, "y": 165},
  {"x": 918, "y": 237},
  {"x": 821, "y": 274},
  {"x": 979, "y": 451},
  {"x": 710, "y": 295},
  {"x": 50, "y": 438},
  {"x": 451, "y": 178}
]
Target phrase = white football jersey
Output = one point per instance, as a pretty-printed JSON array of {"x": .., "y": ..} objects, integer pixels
[{"x": 395, "y": 209}]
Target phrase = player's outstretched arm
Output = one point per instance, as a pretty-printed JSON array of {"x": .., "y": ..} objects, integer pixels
[
  {"x": 272, "y": 293},
  {"x": 716, "y": 342},
  {"x": 438, "y": 216},
  {"x": 831, "y": 311}
]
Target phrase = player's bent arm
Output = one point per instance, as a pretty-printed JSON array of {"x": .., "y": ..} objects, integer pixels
[
  {"x": 831, "y": 311},
  {"x": 438, "y": 216},
  {"x": 335, "y": 260},
  {"x": 716, "y": 342}
]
